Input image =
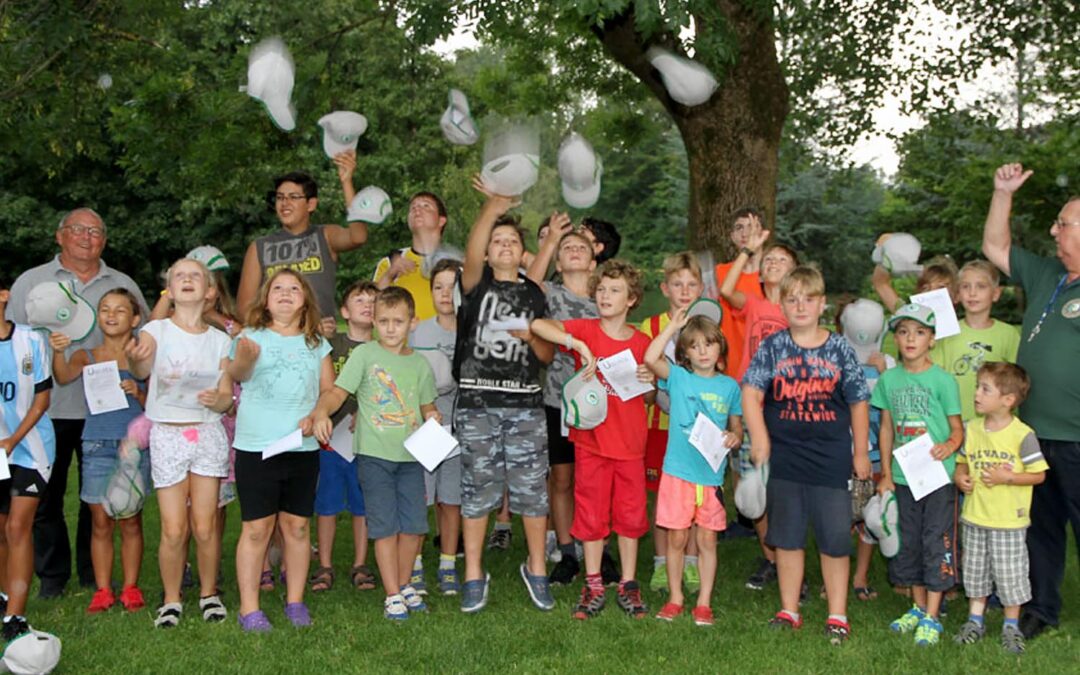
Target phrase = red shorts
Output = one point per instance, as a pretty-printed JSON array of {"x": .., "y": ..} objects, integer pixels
[
  {"x": 681, "y": 503},
  {"x": 609, "y": 494},
  {"x": 655, "y": 449}
]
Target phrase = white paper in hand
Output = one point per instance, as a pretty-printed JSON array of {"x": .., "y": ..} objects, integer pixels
[
  {"x": 924, "y": 474},
  {"x": 430, "y": 444},
  {"x": 5, "y": 472},
  {"x": 101, "y": 384},
  {"x": 342, "y": 439},
  {"x": 945, "y": 321},
  {"x": 709, "y": 441},
  {"x": 620, "y": 372},
  {"x": 509, "y": 323},
  {"x": 292, "y": 441}
]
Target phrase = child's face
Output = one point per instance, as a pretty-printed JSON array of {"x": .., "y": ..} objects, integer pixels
[
  {"x": 442, "y": 292},
  {"x": 776, "y": 263},
  {"x": 977, "y": 292},
  {"x": 394, "y": 324},
  {"x": 741, "y": 230},
  {"x": 359, "y": 310},
  {"x": 612, "y": 297},
  {"x": 681, "y": 288},
  {"x": 933, "y": 284},
  {"x": 285, "y": 298},
  {"x": 116, "y": 317},
  {"x": 989, "y": 400},
  {"x": 188, "y": 282},
  {"x": 504, "y": 249},
  {"x": 801, "y": 309},
  {"x": 913, "y": 340},
  {"x": 575, "y": 255},
  {"x": 704, "y": 355}
]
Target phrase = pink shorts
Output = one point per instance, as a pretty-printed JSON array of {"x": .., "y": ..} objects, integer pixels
[{"x": 681, "y": 503}]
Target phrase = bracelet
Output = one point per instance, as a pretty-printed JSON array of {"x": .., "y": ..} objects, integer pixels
[
  {"x": 749, "y": 252},
  {"x": 569, "y": 342}
]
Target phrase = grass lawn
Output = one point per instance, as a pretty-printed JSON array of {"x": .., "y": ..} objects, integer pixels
[{"x": 350, "y": 634}]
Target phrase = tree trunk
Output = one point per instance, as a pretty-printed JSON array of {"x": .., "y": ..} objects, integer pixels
[{"x": 733, "y": 139}]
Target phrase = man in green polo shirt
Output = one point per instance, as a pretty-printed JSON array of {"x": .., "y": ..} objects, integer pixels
[{"x": 1050, "y": 352}]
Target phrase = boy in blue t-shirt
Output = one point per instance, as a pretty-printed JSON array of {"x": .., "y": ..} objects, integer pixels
[
  {"x": 27, "y": 439},
  {"x": 804, "y": 402}
]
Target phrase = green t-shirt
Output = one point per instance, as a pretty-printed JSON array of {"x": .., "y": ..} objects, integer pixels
[
  {"x": 962, "y": 355},
  {"x": 919, "y": 403},
  {"x": 389, "y": 390},
  {"x": 1052, "y": 357}
]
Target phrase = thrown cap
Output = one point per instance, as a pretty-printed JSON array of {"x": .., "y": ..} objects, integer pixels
[
  {"x": 457, "y": 123},
  {"x": 371, "y": 205},
  {"x": 584, "y": 402},
  {"x": 580, "y": 171},
  {"x": 342, "y": 130},
  {"x": 59, "y": 309},
  {"x": 899, "y": 254},
  {"x": 271, "y": 75},
  {"x": 889, "y": 542},
  {"x": 512, "y": 160},
  {"x": 686, "y": 80}
]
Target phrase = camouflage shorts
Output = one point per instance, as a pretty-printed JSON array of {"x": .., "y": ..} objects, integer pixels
[{"x": 502, "y": 448}]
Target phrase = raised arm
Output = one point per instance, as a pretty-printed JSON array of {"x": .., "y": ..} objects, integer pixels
[
  {"x": 140, "y": 351},
  {"x": 476, "y": 248},
  {"x": 735, "y": 297},
  {"x": 882, "y": 282},
  {"x": 346, "y": 166},
  {"x": 356, "y": 234},
  {"x": 997, "y": 236},
  {"x": 250, "y": 278},
  {"x": 654, "y": 355},
  {"x": 558, "y": 225},
  {"x": 244, "y": 359}
]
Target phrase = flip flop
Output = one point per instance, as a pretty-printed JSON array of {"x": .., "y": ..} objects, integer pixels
[{"x": 865, "y": 593}]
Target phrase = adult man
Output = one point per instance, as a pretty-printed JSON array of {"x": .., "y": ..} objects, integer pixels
[
  {"x": 310, "y": 250},
  {"x": 81, "y": 235},
  {"x": 1050, "y": 352}
]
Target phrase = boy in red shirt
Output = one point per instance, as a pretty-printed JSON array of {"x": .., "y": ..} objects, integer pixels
[{"x": 609, "y": 488}]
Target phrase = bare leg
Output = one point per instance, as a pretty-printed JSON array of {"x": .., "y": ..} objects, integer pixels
[
  {"x": 326, "y": 528},
  {"x": 835, "y": 570},
  {"x": 692, "y": 541},
  {"x": 594, "y": 551},
  {"x": 204, "y": 497},
  {"x": 386, "y": 558},
  {"x": 3, "y": 553},
  {"x": 172, "y": 549},
  {"x": 101, "y": 546},
  {"x": 761, "y": 526},
  {"x": 933, "y": 603},
  {"x": 360, "y": 541},
  {"x": 474, "y": 529},
  {"x": 561, "y": 489},
  {"x": 863, "y": 555},
  {"x": 250, "y": 553},
  {"x": 628, "y": 557},
  {"x": 20, "y": 567},
  {"x": 449, "y": 527},
  {"x": 789, "y": 568},
  {"x": 297, "y": 554},
  {"x": 676, "y": 547},
  {"x": 408, "y": 545},
  {"x": 706, "y": 541},
  {"x": 131, "y": 549},
  {"x": 535, "y": 533}
]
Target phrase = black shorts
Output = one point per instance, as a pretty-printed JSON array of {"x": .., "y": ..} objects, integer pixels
[
  {"x": 23, "y": 483},
  {"x": 283, "y": 483},
  {"x": 927, "y": 555},
  {"x": 560, "y": 449},
  {"x": 792, "y": 507}
]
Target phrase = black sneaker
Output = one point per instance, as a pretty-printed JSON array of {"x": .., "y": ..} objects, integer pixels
[
  {"x": 589, "y": 605},
  {"x": 1031, "y": 626},
  {"x": 499, "y": 540},
  {"x": 764, "y": 574},
  {"x": 14, "y": 627},
  {"x": 565, "y": 571},
  {"x": 609, "y": 571},
  {"x": 629, "y": 598}
]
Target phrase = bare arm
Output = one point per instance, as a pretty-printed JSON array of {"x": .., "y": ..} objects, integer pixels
[
  {"x": 250, "y": 278},
  {"x": 753, "y": 400},
  {"x": 346, "y": 165},
  {"x": 953, "y": 443},
  {"x": 244, "y": 360},
  {"x": 140, "y": 351},
  {"x": 886, "y": 435},
  {"x": 735, "y": 297},
  {"x": 882, "y": 282},
  {"x": 346, "y": 238},
  {"x": 476, "y": 248},
  {"x": 329, "y": 402},
  {"x": 1002, "y": 474},
  {"x": 64, "y": 371},
  {"x": 962, "y": 478},
  {"x": 326, "y": 384},
  {"x": 161, "y": 307},
  {"x": 559, "y": 224},
  {"x": 860, "y": 436},
  {"x": 428, "y": 410},
  {"x": 997, "y": 236},
  {"x": 654, "y": 355},
  {"x": 554, "y": 333},
  {"x": 37, "y": 408}
]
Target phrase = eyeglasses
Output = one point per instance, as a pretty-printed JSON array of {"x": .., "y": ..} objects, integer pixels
[
  {"x": 80, "y": 230},
  {"x": 1061, "y": 224},
  {"x": 294, "y": 197}
]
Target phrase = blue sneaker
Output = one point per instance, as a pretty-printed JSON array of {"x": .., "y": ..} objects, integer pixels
[
  {"x": 416, "y": 580},
  {"x": 539, "y": 588},
  {"x": 413, "y": 600},
  {"x": 394, "y": 608},
  {"x": 909, "y": 621},
  {"x": 928, "y": 632},
  {"x": 474, "y": 594},
  {"x": 448, "y": 581}
]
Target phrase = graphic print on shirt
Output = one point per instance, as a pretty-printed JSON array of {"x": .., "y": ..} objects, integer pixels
[
  {"x": 303, "y": 255},
  {"x": 762, "y": 328},
  {"x": 803, "y": 386},
  {"x": 973, "y": 359},
  {"x": 289, "y": 378},
  {"x": 910, "y": 408},
  {"x": 391, "y": 411},
  {"x": 707, "y": 403},
  {"x": 501, "y": 351}
]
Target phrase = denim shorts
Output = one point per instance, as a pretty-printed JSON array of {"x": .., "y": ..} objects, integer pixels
[
  {"x": 393, "y": 495},
  {"x": 99, "y": 462}
]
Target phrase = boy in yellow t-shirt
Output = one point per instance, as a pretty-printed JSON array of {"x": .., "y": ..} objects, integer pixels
[{"x": 998, "y": 465}]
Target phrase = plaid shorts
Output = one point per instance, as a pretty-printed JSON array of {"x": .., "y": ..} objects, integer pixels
[{"x": 996, "y": 558}]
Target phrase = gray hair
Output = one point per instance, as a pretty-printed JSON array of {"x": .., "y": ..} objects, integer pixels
[{"x": 82, "y": 209}]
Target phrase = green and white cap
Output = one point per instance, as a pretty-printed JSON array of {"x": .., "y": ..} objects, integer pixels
[
  {"x": 889, "y": 541},
  {"x": 342, "y": 130},
  {"x": 371, "y": 205},
  {"x": 125, "y": 493},
  {"x": 458, "y": 125},
  {"x": 33, "y": 652},
  {"x": 271, "y": 75},
  {"x": 710, "y": 309},
  {"x": 211, "y": 256},
  {"x": 898, "y": 253},
  {"x": 915, "y": 312},
  {"x": 55, "y": 307},
  {"x": 584, "y": 402},
  {"x": 750, "y": 493}
]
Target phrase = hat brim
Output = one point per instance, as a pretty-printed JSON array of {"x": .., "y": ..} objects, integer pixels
[
  {"x": 895, "y": 321},
  {"x": 710, "y": 309},
  {"x": 511, "y": 175},
  {"x": 281, "y": 114},
  {"x": 463, "y": 133},
  {"x": 82, "y": 325},
  {"x": 332, "y": 147},
  {"x": 581, "y": 199}
]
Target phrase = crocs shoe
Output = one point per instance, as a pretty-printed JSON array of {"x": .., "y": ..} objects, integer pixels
[
  {"x": 909, "y": 621},
  {"x": 297, "y": 614},
  {"x": 928, "y": 632},
  {"x": 255, "y": 622}
]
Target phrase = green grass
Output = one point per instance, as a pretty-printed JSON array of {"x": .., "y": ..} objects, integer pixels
[{"x": 350, "y": 634}]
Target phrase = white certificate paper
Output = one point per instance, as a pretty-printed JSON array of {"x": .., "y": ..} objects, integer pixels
[
  {"x": 431, "y": 444},
  {"x": 620, "y": 372},
  {"x": 508, "y": 324},
  {"x": 946, "y": 324},
  {"x": 101, "y": 384},
  {"x": 924, "y": 474},
  {"x": 291, "y": 441},
  {"x": 709, "y": 441},
  {"x": 342, "y": 439},
  {"x": 184, "y": 391}
]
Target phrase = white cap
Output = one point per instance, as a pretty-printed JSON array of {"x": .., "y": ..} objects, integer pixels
[
  {"x": 750, "y": 493},
  {"x": 580, "y": 171},
  {"x": 342, "y": 130},
  {"x": 512, "y": 160},
  {"x": 125, "y": 493},
  {"x": 863, "y": 323},
  {"x": 211, "y": 256},
  {"x": 899, "y": 254},
  {"x": 871, "y": 514},
  {"x": 457, "y": 124},
  {"x": 889, "y": 542},
  {"x": 54, "y": 306},
  {"x": 34, "y": 652},
  {"x": 371, "y": 205},
  {"x": 271, "y": 75},
  {"x": 686, "y": 81},
  {"x": 442, "y": 252}
]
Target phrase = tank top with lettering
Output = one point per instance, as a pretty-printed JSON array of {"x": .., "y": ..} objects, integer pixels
[{"x": 307, "y": 253}]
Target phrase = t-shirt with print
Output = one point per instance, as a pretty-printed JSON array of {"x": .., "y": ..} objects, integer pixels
[
  {"x": 24, "y": 357},
  {"x": 341, "y": 345},
  {"x": 180, "y": 354},
  {"x": 653, "y": 326},
  {"x": 919, "y": 403},
  {"x": 493, "y": 368},
  {"x": 413, "y": 281},
  {"x": 389, "y": 390},
  {"x": 734, "y": 326},
  {"x": 963, "y": 354},
  {"x": 872, "y": 374},
  {"x": 428, "y": 336},
  {"x": 622, "y": 433},
  {"x": 716, "y": 397},
  {"x": 761, "y": 319},
  {"x": 562, "y": 305},
  {"x": 1003, "y": 507},
  {"x": 808, "y": 397},
  {"x": 282, "y": 390}
]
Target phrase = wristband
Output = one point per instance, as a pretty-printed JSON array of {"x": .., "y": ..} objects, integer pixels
[
  {"x": 749, "y": 253},
  {"x": 569, "y": 342}
]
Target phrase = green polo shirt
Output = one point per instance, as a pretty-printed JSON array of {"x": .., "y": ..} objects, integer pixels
[{"x": 1052, "y": 357}]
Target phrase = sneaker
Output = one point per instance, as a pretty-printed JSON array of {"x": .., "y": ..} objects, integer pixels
[
  {"x": 448, "y": 581},
  {"x": 837, "y": 631},
  {"x": 416, "y": 580},
  {"x": 297, "y": 614},
  {"x": 703, "y": 616},
  {"x": 499, "y": 539},
  {"x": 168, "y": 615},
  {"x": 213, "y": 610},
  {"x": 1031, "y": 625},
  {"x": 413, "y": 600},
  {"x": 551, "y": 547},
  {"x": 629, "y": 598},
  {"x": 394, "y": 608},
  {"x": 132, "y": 598},
  {"x": 970, "y": 633},
  {"x": 14, "y": 627},
  {"x": 658, "y": 583},
  {"x": 538, "y": 587},
  {"x": 669, "y": 611},
  {"x": 909, "y": 621},
  {"x": 255, "y": 622},
  {"x": 609, "y": 571},
  {"x": 565, "y": 571},
  {"x": 691, "y": 578},
  {"x": 784, "y": 621},
  {"x": 928, "y": 632},
  {"x": 589, "y": 605},
  {"x": 474, "y": 594},
  {"x": 1012, "y": 639},
  {"x": 103, "y": 599},
  {"x": 764, "y": 574}
]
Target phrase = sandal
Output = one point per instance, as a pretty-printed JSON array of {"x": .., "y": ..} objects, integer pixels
[
  {"x": 322, "y": 579},
  {"x": 266, "y": 581},
  {"x": 362, "y": 578},
  {"x": 865, "y": 593}
]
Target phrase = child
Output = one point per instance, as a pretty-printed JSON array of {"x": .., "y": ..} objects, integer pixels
[
  {"x": 609, "y": 490},
  {"x": 498, "y": 418},
  {"x": 604, "y": 236},
  {"x": 26, "y": 436},
  {"x": 938, "y": 272},
  {"x": 917, "y": 397},
  {"x": 682, "y": 285},
  {"x": 435, "y": 338},
  {"x": 189, "y": 451},
  {"x": 284, "y": 363},
  {"x": 996, "y": 469},
  {"x": 395, "y": 391},
  {"x": 746, "y": 222},
  {"x": 804, "y": 402},
  {"x": 339, "y": 484},
  {"x": 690, "y": 490},
  {"x": 982, "y": 339},
  {"x": 117, "y": 315}
]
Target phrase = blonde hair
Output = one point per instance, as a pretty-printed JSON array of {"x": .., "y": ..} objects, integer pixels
[
  {"x": 683, "y": 260},
  {"x": 985, "y": 267},
  {"x": 805, "y": 278},
  {"x": 706, "y": 328},
  {"x": 619, "y": 269},
  {"x": 259, "y": 316}
]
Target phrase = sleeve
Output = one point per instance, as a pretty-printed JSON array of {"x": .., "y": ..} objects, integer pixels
[
  {"x": 1025, "y": 267},
  {"x": 428, "y": 394},
  {"x": 760, "y": 371},
  {"x": 879, "y": 398},
  {"x": 224, "y": 345},
  {"x": 153, "y": 329},
  {"x": 951, "y": 395},
  {"x": 1031, "y": 455},
  {"x": 735, "y": 407},
  {"x": 381, "y": 268},
  {"x": 324, "y": 348},
  {"x": 676, "y": 378},
  {"x": 352, "y": 373},
  {"x": 854, "y": 386},
  {"x": 576, "y": 327}
]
